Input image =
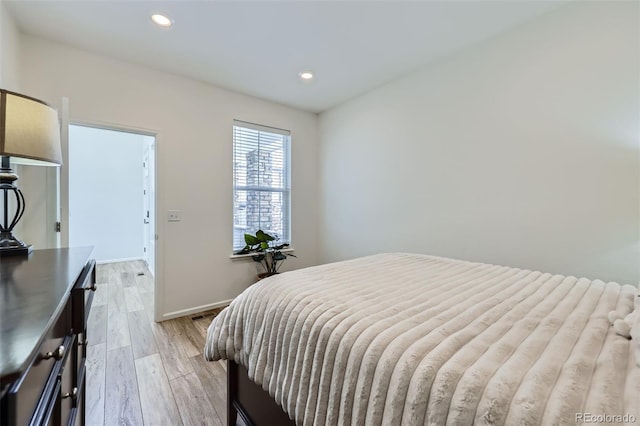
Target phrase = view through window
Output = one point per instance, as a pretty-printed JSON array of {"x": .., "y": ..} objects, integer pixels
[{"x": 261, "y": 182}]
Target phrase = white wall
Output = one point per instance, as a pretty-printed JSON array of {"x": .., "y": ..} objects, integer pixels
[
  {"x": 33, "y": 180},
  {"x": 105, "y": 192},
  {"x": 523, "y": 151},
  {"x": 9, "y": 51},
  {"x": 193, "y": 122}
]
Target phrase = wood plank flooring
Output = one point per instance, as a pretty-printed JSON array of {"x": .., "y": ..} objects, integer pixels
[{"x": 140, "y": 372}]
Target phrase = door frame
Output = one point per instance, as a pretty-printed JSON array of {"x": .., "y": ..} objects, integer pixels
[
  {"x": 148, "y": 234},
  {"x": 158, "y": 305}
]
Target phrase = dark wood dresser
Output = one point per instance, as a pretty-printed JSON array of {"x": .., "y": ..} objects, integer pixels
[{"x": 44, "y": 304}]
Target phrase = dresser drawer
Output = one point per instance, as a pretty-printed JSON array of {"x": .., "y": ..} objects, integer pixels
[
  {"x": 68, "y": 386},
  {"x": 82, "y": 296},
  {"x": 81, "y": 353},
  {"x": 26, "y": 394},
  {"x": 77, "y": 417},
  {"x": 51, "y": 412},
  {"x": 77, "y": 414}
]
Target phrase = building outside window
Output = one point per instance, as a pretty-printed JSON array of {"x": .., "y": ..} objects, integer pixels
[{"x": 261, "y": 182}]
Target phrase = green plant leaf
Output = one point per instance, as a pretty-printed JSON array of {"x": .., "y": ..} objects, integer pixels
[
  {"x": 251, "y": 240},
  {"x": 263, "y": 236},
  {"x": 258, "y": 257},
  {"x": 279, "y": 256},
  {"x": 264, "y": 245}
]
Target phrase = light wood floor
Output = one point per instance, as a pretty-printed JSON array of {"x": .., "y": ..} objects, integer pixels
[{"x": 140, "y": 372}]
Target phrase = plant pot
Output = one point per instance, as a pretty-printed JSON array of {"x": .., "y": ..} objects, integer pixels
[{"x": 266, "y": 274}]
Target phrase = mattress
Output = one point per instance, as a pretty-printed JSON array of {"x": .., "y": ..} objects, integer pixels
[{"x": 407, "y": 339}]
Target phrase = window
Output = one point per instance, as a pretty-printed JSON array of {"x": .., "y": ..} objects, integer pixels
[{"x": 261, "y": 182}]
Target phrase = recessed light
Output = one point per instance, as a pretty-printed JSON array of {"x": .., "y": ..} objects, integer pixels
[
  {"x": 161, "y": 20},
  {"x": 305, "y": 75}
]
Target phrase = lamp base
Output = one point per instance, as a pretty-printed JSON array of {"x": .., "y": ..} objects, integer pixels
[
  {"x": 11, "y": 246},
  {"x": 15, "y": 251}
]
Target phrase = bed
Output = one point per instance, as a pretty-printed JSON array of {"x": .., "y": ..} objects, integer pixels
[{"x": 407, "y": 339}]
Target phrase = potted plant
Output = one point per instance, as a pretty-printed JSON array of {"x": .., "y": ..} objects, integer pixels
[{"x": 268, "y": 253}]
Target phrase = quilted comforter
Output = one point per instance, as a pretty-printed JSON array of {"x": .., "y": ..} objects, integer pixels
[{"x": 405, "y": 339}]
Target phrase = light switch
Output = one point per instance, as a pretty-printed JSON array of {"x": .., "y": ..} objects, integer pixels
[{"x": 174, "y": 216}]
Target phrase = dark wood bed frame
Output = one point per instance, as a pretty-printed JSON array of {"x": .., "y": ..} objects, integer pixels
[{"x": 249, "y": 401}]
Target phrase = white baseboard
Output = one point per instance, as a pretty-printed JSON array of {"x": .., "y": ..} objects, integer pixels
[
  {"x": 196, "y": 310},
  {"x": 128, "y": 259}
]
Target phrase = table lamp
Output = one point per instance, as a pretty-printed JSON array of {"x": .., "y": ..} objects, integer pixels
[{"x": 30, "y": 135}]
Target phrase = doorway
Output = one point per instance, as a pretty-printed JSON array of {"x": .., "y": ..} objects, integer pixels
[{"x": 112, "y": 193}]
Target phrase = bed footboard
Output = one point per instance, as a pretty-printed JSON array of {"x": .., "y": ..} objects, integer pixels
[{"x": 249, "y": 401}]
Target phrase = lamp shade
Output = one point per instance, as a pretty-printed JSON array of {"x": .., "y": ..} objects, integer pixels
[{"x": 29, "y": 130}]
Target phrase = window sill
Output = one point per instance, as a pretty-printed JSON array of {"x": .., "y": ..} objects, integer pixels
[{"x": 248, "y": 255}]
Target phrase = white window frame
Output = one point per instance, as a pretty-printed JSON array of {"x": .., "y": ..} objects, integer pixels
[{"x": 285, "y": 190}]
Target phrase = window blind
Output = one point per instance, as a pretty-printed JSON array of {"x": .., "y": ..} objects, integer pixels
[{"x": 261, "y": 182}]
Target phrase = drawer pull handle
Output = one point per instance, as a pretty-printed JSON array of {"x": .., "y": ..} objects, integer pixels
[
  {"x": 73, "y": 394},
  {"x": 93, "y": 287},
  {"x": 57, "y": 354}
]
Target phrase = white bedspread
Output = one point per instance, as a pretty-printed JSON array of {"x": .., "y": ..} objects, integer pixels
[{"x": 411, "y": 339}]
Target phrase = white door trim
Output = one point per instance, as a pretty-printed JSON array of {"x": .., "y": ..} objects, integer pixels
[
  {"x": 158, "y": 308},
  {"x": 64, "y": 174}
]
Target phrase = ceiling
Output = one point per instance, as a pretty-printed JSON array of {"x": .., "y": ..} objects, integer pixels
[{"x": 259, "y": 47}]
